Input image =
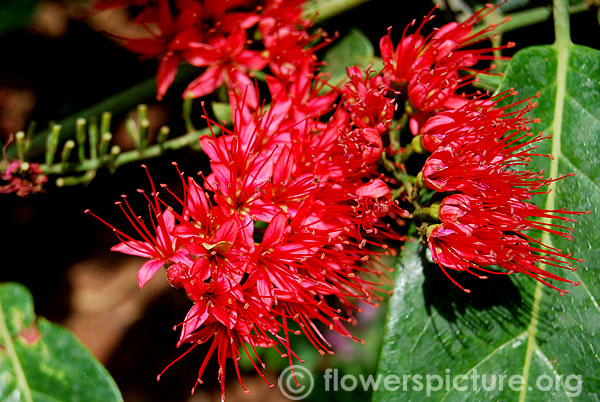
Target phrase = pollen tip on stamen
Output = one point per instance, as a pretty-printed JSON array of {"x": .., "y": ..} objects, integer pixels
[
  {"x": 158, "y": 377},
  {"x": 87, "y": 211}
]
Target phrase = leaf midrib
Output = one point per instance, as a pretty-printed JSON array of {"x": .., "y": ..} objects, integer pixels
[
  {"x": 7, "y": 341},
  {"x": 561, "y": 46}
]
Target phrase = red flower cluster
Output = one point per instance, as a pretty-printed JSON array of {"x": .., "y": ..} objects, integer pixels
[
  {"x": 215, "y": 35},
  {"x": 480, "y": 154},
  {"x": 480, "y": 150},
  {"x": 272, "y": 244}
]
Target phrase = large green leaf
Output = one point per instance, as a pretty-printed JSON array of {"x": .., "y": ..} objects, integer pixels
[
  {"x": 41, "y": 361},
  {"x": 354, "y": 49},
  {"x": 514, "y": 325}
]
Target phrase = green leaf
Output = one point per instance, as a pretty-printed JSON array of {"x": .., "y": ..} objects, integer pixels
[
  {"x": 354, "y": 49},
  {"x": 15, "y": 14},
  {"x": 435, "y": 329},
  {"x": 42, "y": 361},
  {"x": 568, "y": 77},
  {"x": 222, "y": 111},
  {"x": 513, "y": 325}
]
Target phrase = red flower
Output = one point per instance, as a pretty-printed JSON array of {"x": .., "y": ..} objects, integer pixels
[
  {"x": 203, "y": 33},
  {"x": 148, "y": 13},
  {"x": 473, "y": 247},
  {"x": 486, "y": 222},
  {"x": 160, "y": 249},
  {"x": 484, "y": 167},
  {"x": 366, "y": 100},
  {"x": 159, "y": 244},
  {"x": 426, "y": 69},
  {"x": 467, "y": 122},
  {"x": 174, "y": 35},
  {"x": 23, "y": 179},
  {"x": 285, "y": 37},
  {"x": 212, "y": 34},
  {"x": 229, "y": 60}
]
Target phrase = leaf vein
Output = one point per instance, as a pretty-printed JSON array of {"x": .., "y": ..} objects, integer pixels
[
  {"x": 582, "y": 107},
  {"x": 575, "y": 167},
  {"x": 562, "y": 49},
  {"x": 489, "y": 355},
  {"x": 418, "y": 338},
  {"x": 549, "y": 364}
]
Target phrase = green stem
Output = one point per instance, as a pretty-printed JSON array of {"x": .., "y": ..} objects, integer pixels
[
  {"x": 118, "y": 103},
  {"x": 405, "y": 156},
  {"x": 535, "y": 15},
  {"x": 404, "y": 178},
  {"x": 325, "y": 9},
  {"x": 135, "y": 155},
  {"x": 562, "y": 27},
  {"x": 422, "y": 212},
  {"x": 187, "y": 113}
]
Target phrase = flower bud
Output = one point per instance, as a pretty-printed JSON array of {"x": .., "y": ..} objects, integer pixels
[{"x": 176, "y": 274}]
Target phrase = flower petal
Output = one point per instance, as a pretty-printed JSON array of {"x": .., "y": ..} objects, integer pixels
[
  {"x": 211, "y": 79},
  {"x": 135, "y": 247},
  {"x": 194, "y": 318},
  {"x": 147, "y": 271}
]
